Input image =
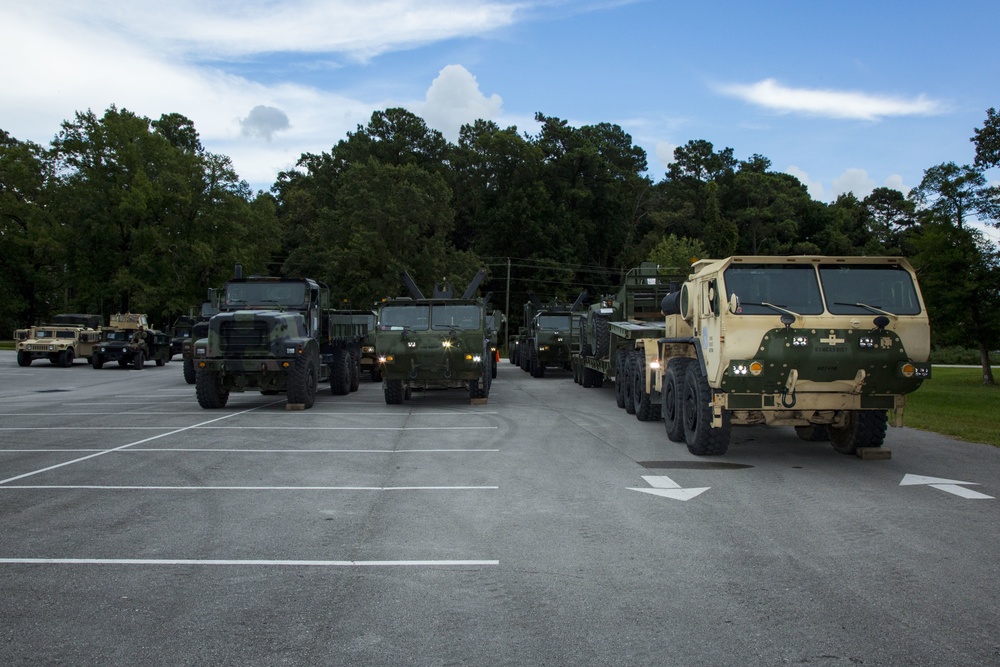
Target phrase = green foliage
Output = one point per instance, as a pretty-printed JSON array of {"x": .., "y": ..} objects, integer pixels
[
  {"x": 677, "y": 253},
  {"x": 955, "y": 402}
]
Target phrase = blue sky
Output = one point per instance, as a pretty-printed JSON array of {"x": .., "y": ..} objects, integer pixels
[{"x": 845, "y": 95}]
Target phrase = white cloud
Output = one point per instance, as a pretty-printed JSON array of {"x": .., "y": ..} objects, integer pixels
[
  {"x": 896, "y": 183},
  {"x": 832, "y": 103},
  {"x": 853, "y": 180},
  {"x": 454, "y": 99},
  {"x": 263, "y": 121},
  {"x": 815, "y": 188},
  {"x": 665, "y": 153}
]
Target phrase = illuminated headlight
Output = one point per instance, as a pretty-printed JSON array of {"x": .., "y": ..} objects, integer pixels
[
  {"x": 200, "y": 350},
  {"x": 922, "y": 371},
  {"x": 52, "y": 347},
  {"x": 738, "y": 369},
  {"x": 368, "y": 349},
  {"x": 866, "y": 342},
  {"x": 655, "y": 364},
  {"x": 543, "y": 348},
  {"x": 446, "y": 343},
  {"x": 413, "y": 343},
  {"x": 385, "y": 359},
  {"x": 559, "y": 339},
  {"x": 289, "y": 350},
  {"x": 800, "y": 341},
  {"x": 475, "y": 358}
]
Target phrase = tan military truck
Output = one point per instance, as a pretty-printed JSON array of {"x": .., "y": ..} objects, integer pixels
[
  {"x": 69, "y": 336},
  {"x": 829, "y": 345}
]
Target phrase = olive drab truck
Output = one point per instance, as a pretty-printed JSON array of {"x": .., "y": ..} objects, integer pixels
[
  {"x": 614, "y": 330},
  {"x": 67, "y": 337},
  {"x": 545, "y": 340},
  {"x": 128, "y": 340},
  {"x": 436, "y": 342},
  {"x": 198, "y": 330},
  {"x": 829, "y": 345},
  {"x": 275, "y": 335}
]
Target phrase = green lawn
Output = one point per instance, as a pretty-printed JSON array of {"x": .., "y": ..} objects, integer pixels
[{"x": 955, "y": 402}]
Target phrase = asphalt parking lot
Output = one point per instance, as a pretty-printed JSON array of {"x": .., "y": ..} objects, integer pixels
[{"x": 545, "y": 527}]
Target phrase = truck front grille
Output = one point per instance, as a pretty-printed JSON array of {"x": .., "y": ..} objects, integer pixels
[{"x": 241, "y": 339}]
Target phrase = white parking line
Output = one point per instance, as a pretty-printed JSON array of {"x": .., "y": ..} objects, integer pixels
[
  {"x": 247, "y": 488},
  {"x": 280, "y": 563},
  {"x": 257, "y": 451},
  {"x": 202, "y": 427},
  {"x": 117, "y": 449}
]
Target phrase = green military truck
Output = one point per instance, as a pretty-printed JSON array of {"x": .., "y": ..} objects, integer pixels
[
  {"x": 829, "y": 345},
  {"x": 198, "y": 330},
  {"x": 436, "y": 342},
  {"x": 546, "y": 340},
  {"x": 616, "y": 327},
  {"x": 128, "y": 340},
  {"x": 275, "y": 335},
  {"x": 67, "y": 337}
]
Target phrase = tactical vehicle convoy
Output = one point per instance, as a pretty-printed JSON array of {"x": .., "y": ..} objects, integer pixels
[
  {"x": 616, "y": 327},
  {"x": 275, "y": 335},
  {"x": 69, "y": 336},
  {"x": 829, "y": 345},
  {"x": 437, "y": 342},
  {"x": 545, "y": 340},
  {"x": 198, "y": 330},
  {"x": 180, "y": 332},
  {"x": 128, "y": 340}
]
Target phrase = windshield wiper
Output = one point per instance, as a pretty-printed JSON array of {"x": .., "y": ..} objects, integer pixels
[
  {"x": 780, "y": 309},
  {"x": 872, "y": 309}
]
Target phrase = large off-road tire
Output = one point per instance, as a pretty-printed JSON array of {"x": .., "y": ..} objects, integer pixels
[
  {"x": 864, "y": 428},
  {"x": 620, "y": 361},
  {"x": 672, "y": 398},
  {"x": 355, "y": 356},
  {"x": 211, "y": 391},
  {"x": 481, "y": 388},
  {"x": 585, "y": 347},
  {"x": 537, "y": 367},
  {"x": 340, "y": 373},
  {"x": 66, "y": 358},
  {"x": 23, "y": 358},
  {"x": 813, "y": 432},
  {"x": 160, "y": 361},
  {"x": 645, "y": 409},
  {"x": 629, "y": 382},
  {"x": 393, "y": 390},
  {"x": 701, "y": 438},
  {"x": 97, "y": 361},
  {"x": 189, "y": 374},
  {"x": 54, "y": 358},
  {"x": 601, "y": 336},
  {"x": 139, "y": 360},
  {"x": 302, "y": 381}
]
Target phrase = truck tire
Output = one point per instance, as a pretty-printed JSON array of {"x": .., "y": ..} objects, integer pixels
[
  {"x": 139, "y": 360},
  {"x": 355, "y": 356},
  {"x": 537, "y": 368},
  {"x": 212, "y": 393},
  {"x": 393, "y": 390},
  {"x": 97, "y": 361},
  {"x": 23, "y": 358},
  {"x": 601, "y": 336},
  {"x": 189, "y": 375},
  {"x": 701, "y": 438},
  {"x": 302, "y": 381},
  {"x": 645, "y": 409},
  {"x": 864, "y": 428},
  {"x": 813, "y": 432},
  {"x": 629, "y": 382},
  {"x": 620, "y": 361},
  {"x": 340, "y": 373},
  {"x": 66, "y": 358},
  {"x": 672, "y": 401},
  {"x": 160, "y": 361},
  {"x": 585, "y": 349}
]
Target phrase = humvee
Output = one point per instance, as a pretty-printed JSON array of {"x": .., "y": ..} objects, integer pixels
[
  {"x": 67, "y": 337},
  {"x": 128, "y": 340}
]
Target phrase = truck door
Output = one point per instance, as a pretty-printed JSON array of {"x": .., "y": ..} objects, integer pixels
[{"x": 711, "y": 327}]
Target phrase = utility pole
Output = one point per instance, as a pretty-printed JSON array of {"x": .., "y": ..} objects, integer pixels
[{"x": 506, "y": 328}]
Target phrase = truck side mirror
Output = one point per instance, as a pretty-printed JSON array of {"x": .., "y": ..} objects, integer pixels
[{"x": 734, "y": 303}]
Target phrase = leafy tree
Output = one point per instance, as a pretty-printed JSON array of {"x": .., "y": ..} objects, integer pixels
[
  {"x": 953, "y": 194},
  {"x": 987, "y": 141},
  {"x": 673, "y": 253},
  {"x": 31, "y": 251},
  {"x": 721, "y": 235},
  {"x": 960, "y": 279},
  {"x": 888, "y": 214}
]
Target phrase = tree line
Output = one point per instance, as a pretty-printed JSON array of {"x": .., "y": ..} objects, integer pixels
[{"x": 121, "y": 212}]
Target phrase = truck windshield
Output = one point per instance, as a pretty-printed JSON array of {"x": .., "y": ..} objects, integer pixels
[
  {"x": 864, "y": 289},
  {"x": 790, "y": 286},
  {"x": 553, "y": 322},
  {"x": 465, "y": 317},
  {"x": 414, "y": 318},
  {"x": 266, "y": 294}
]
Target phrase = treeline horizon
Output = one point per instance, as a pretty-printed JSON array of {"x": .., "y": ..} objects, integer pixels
[{"x": 121, "y": 212}]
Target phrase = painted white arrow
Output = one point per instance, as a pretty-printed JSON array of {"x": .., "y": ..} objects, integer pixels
[
  {"x": 665, "y": 487},
  {"x": 952, "y": 486}
]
